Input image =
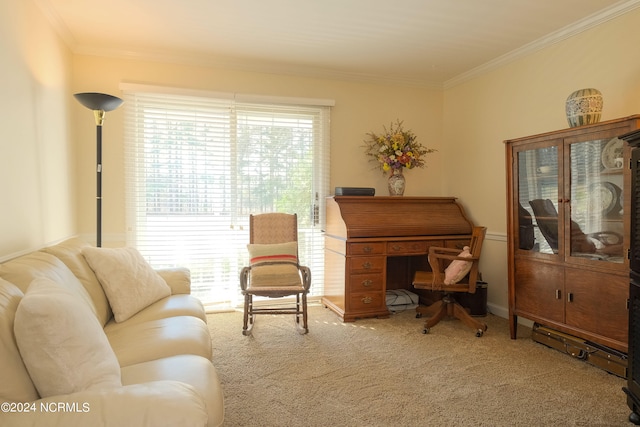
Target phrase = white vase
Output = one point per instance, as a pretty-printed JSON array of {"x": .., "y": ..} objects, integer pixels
[{"x": 584, "y": 107}]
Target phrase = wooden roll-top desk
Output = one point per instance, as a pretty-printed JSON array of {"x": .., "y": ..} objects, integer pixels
[{"x": 375, "y": 243}]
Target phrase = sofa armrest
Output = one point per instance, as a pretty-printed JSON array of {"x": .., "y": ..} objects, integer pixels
[
  {"x": 178, "y": 279},
  {"x": 158, "y": 403}
]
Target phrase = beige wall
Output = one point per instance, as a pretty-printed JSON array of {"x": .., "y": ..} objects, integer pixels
[
  {"x": 359, "y": 108},
  {"x": 46, "y": 164},
  {"x": 37, "y": 195},
  {"x": 523, "y": 98}
]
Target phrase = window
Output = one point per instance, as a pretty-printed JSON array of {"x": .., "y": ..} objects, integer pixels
[{"x": 198, "y": 166}]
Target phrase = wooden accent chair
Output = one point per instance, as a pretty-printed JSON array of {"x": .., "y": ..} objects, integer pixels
[
  {"x": 274, "y": 270},
  {"x": 452, "y": 271}
]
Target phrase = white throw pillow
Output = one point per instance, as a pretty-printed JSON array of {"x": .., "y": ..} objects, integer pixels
[
  {"x": 62, "y": 343},
  {"x": 458, "y": 268},
  {"x": 127, "y": 278}
]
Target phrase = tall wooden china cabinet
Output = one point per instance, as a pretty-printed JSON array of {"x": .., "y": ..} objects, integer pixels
[{"x": 568, "y": 206}]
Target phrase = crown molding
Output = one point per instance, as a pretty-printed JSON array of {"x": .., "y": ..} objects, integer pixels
[
  {"x": 297, "y": 70},
  {"x": 238, "y": 64},
  {"x": 546, "y": 41}
]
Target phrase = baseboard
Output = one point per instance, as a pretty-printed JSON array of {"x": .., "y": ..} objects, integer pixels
[{"x": 503, "y": 312}]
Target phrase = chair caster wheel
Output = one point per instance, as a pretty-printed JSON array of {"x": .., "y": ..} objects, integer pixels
[
  {"x": 418, "y": 315},
  {"x": 479, "y": 333},
  {"x": 425, "y": 331}
]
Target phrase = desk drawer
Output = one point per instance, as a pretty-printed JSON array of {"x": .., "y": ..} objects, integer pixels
[
  {"x": 367, "y": 301},
  {"x": 409, "y": 247},
  {"x": 366, "y": 248},
  {"x": 365, "y": 282},
  {"x": 366, "y": 264}
]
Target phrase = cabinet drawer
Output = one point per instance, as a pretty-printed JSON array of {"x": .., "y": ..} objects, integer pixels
[
  {"x": 409, "y": 247},
  {"x": 367, "y": 301},
  {"x": 366, "y": 264},
  {"x": 365, "y": 282},
  {"x": 366, "y": 248}
]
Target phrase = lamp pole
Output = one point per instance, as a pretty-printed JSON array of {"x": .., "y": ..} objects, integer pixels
[{"x": 100, "y": 103}]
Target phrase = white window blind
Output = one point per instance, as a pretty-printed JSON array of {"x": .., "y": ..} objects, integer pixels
[{"x": 197, "y": 167}]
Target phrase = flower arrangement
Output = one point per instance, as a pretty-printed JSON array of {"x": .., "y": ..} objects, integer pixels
[{"x": 395, "y": 148}]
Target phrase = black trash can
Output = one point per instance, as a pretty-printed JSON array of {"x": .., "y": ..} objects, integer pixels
[{"x": 475, "y": 303}]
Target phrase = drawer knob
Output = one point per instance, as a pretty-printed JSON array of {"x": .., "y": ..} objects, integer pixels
[
  {"x": 367, "y": 300},
  {"x": 367, "y": 265},
  {"x": 367, "y": 283},
  {"x": 367, "y": 249},
  {"x": 396, "y": 248}
]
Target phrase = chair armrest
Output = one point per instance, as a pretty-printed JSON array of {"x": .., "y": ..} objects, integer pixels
[
  {"x": 449, "y": 253},
  {"x": 178, "y": 279},
  {"x": 437, "y": 256},
  {"x": 306, "y": 277},
  {"x": 244, "y": 277},
  {"x": 438, "y": 249},
  {"x": 158, "y": 403}
]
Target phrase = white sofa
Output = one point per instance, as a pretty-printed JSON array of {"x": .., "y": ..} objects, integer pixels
[{"x": 78, "y": 366}]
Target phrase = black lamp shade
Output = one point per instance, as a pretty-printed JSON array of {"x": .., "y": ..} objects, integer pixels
[{"x": 98, "y": 101}]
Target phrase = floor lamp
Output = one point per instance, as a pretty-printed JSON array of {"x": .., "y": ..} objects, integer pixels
[{"x": 100, "y": 103}]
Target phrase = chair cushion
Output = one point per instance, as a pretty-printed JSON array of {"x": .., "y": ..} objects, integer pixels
[
  {"x": 128, "y": 280},
  {"x": 261, "y": 254},
  {"x": 458, "y": 268},
  {"x": 62, "y": 343},
  {"x": 275, "y": 275}
]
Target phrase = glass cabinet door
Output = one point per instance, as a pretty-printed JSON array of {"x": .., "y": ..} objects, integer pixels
[
  {"x": 596, "y": 193},
  {"x": 538, "y": 183}
]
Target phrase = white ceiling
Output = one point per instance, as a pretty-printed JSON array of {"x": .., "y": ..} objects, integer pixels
[{"x": 422, "y": 42}]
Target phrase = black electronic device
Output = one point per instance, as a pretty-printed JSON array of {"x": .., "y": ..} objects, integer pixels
[{"x": 355, "y": 191}]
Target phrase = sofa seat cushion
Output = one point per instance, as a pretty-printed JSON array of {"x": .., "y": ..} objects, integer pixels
[
  {"x": 16, "y": 384},
  {"x": 155, "y": 339},
  {"x": 171, "y": 306},
  {"x": 127, "y": 279},
  {"x": 62, "y": 343},
  {"x": 70, "y": 253},
  {"x": 194, "y": 370},
  {"x": 152, "y": 404}
]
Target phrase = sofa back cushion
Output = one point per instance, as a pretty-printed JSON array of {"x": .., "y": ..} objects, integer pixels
[
  {"x": 16, "y": 384},
  {"x": 23, "y": 270},
  {"x": 62, "y": 343},
  {"x": 70, "y": 252}
]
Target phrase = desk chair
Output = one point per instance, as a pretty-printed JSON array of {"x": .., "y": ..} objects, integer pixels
[
  {"x": 274, "y": 271},
  {"x": 451, "y": 271}
]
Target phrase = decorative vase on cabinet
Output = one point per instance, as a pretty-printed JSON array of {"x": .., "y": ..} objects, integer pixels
[
  {"x": 567, "y": 235},
  {"x": 584, "y": 107},
  {"x": 396, "y": 182}
]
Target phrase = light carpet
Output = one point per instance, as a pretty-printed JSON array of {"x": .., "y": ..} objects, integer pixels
[{"x": 385, "y": 372}]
